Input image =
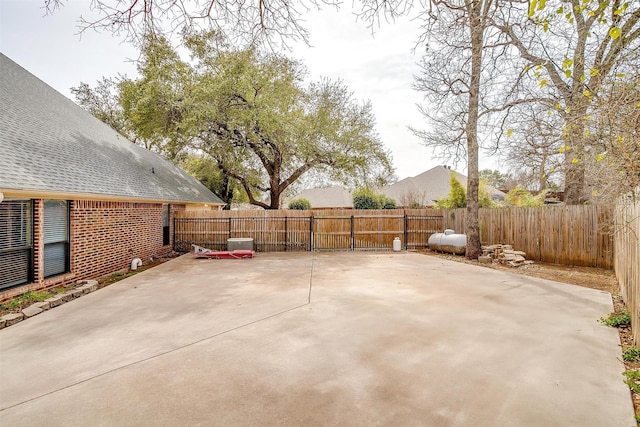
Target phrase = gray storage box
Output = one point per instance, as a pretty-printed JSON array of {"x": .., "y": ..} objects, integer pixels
[{"x": 240, "y": 243}]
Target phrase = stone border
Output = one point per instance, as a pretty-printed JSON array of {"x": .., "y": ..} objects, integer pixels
[{"x": 34, "y": 309}]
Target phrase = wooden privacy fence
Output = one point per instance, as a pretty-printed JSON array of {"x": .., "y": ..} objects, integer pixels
[
  {"x": 290, "y": 230},
  {"x": 626, "y": 260},
  {"x": 570, "y": 235}
]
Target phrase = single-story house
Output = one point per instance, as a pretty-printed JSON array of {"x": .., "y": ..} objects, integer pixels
[
  {"x": 424, "y": 189},
  {"x": 429, "y": 187},
  {"x": 77, "y": 199},
  {"x": 326, "y": 198}
]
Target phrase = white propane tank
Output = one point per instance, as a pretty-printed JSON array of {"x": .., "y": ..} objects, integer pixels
[
  {"x": 397, "y": 244},
  {"x": 448, "y": 241}
]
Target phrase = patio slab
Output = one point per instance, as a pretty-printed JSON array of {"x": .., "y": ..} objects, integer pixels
[{"x": 318, "y": 339}]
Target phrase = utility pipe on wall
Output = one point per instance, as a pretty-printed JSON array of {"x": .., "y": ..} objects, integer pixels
[{"x": 135, "y": 263}]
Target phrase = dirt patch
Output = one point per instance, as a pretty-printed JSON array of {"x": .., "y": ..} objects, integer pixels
[{"x": 588, "y": 277}]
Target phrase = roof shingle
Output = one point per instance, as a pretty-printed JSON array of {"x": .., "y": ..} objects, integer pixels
[{"x": 50, "y": 144}]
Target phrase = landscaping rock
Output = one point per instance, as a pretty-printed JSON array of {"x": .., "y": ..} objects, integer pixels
[
  {"x": 68, "y": 296},
  {"x": 55, "y": 301},
  {"x": 505, "y": 254},
  {"x": 31, "y": 311},
  {"x": 3, "y": 323},
  {"x": 77, "y": 293},
  {"x": 12, "y": 318},
  {"x": 90, "y": 286},
  {"x": 44, "y": 305},
  {"x": 484, "y": 259}
]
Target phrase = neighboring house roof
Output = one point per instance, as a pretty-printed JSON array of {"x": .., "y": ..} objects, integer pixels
[
  {"x": 326, "y": 197},
  {"x": 429, "y": 186},
  {"x": 51, "y": 145}
]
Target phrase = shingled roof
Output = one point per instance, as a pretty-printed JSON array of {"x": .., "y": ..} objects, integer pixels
[
  {"x": 49, "y": 144},
  {"x": 430, "y": 186},
  {"x": 327, "y": 197}
]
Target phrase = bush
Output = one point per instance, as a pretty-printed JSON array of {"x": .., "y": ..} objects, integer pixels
[
  {"x": 387, "y": 203},
  {"x": 457, "y": 197},
  {"x": 521, "y": 197},
  {"x": 365, "y": 198},
  {"x": 300, "y": 204}
]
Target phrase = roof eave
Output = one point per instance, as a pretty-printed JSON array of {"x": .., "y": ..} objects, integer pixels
[{"x": 39, "y": 194}]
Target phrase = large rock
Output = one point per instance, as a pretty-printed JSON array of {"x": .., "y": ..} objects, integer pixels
[
  {"x": 12, "y": 318},
  {"x": 31, "y": 311},
  {"x": 55, "y": 301}
]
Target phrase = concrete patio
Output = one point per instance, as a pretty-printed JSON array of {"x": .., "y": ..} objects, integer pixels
[{"x": 325, "y": 339}]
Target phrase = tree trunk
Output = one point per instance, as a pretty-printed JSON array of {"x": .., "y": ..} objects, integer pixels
[
  {"x": 474, "y": 249},
  {"x": 574, "y": 177},
  {"x": 574, "y": 185}
]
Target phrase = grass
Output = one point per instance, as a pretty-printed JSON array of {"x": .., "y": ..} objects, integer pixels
[
  {"x": 617, "y": 319},
  {"x": 27, "y": 297}
]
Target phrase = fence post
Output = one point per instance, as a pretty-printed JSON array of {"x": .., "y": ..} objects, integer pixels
[
  {"x": 352, "y": 234},
  {"x": 174, "y": 232},
  {"x": 311, "y": 233},
  {"x": 229, "y": 227},
  {"x": 286, "y": 235},
  {"x": 406, "y": 232}
]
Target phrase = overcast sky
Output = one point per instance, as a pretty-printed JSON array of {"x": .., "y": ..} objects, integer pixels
[{"x": 377, "y": 67}]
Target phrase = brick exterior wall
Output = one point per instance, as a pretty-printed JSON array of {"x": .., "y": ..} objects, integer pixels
[{"x": 104, "y": 238}]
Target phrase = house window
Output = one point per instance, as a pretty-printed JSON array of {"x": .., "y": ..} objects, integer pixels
[
  {"x": 166, "y": 224},
  {"x": 16, "y": 242},
  {"x": 56, "y": 237}
]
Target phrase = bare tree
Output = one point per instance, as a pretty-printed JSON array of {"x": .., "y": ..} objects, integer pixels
[
  {"x": 533, "y": 149},
  {"x": 252, "y": 22},
  {"x": 465, "y": 88},
  {"x": 572, "y": 48}
]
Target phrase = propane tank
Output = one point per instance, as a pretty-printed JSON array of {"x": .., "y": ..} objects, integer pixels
[{"x": 397, "y": 244}]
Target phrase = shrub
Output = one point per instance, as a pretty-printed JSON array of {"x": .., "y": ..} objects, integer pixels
[
  {"x": 387, "y": 203},
  {"x": 365, "y": 198},
  {"x": 300, "y": 204},
  {"x": 457, "y": 197},
  {"x": 521, "y": 197}
]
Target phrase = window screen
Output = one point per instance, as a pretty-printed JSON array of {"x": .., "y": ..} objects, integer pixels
[
  {"x": 16, "y": 242},
  {"x": 56, "y": 237}
]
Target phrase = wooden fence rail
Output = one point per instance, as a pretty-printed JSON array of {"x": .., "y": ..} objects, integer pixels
[
  {"x": 626, "y": 260},
  {"x": 570, "y": 235}
]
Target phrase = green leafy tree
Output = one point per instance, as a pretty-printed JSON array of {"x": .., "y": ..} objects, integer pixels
[
  {"x": 300, "y": 204},
  {"x": 252, "y": 114},
  {"x": 207, "y": 172}
]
